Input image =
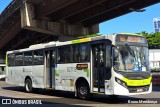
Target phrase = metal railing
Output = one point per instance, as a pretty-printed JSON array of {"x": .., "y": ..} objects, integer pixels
[{"x": 11, "y": 8}]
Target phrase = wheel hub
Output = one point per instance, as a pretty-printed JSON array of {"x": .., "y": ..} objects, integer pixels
[{"x": 83, "y": 90}]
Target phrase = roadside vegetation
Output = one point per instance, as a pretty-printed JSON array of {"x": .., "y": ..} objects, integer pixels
[
  {"x": 88, "y": 36},
  {"x": 153, "y": 39}
]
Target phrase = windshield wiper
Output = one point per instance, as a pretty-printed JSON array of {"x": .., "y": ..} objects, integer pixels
[{"x": 131, "y": 51}]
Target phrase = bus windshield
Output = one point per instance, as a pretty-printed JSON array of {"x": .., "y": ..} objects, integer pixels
[{"x": 132, "y": 58}]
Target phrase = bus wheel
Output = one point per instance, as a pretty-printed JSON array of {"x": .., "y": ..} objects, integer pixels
[
  {"x": 83, "y": 91},
  {"x": 28, "y": 85}
]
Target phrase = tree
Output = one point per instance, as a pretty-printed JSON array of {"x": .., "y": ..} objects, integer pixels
[
  {"x": 153, "y": 39},
  {"x": 88, "y": 36}
]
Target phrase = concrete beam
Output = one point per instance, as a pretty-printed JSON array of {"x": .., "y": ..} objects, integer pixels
[
  {"x": 9, "y": 35},
  {"x": 62, "y": 28},
  {"x": 49, "y": 6},
  {"x": 75, "y": 8},
  {"x": 98, "y": 10},
  {"x": 29, "y": 22},
  {"x": 119, "y": 11}
]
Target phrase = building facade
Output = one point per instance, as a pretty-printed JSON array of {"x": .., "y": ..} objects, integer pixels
[
  {"x": 156, "y": 22},
  {"x": 154, "y": 58}
]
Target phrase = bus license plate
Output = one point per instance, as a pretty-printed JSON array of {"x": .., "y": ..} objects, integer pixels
[{"x": 139, "y": 90}]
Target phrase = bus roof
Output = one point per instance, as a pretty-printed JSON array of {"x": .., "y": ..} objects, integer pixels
[
  {"x": 54, "y": 44},
  {"x": 131, "y": 34}
]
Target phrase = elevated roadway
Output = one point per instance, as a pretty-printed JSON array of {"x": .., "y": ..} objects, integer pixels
[{"x": 27, "y": 22}]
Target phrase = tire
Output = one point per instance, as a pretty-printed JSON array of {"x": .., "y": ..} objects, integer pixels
[
  {"x": 83, "y": 91},
  {"x": 28, "y": 85}
]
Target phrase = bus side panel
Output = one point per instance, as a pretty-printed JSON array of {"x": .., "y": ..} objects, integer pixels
[
  {"x": 38, "y": 76},
  {"x": 67, "y": 74},
  {"x": 8, "y": 76},
  {"x": 15, "y": 76}
]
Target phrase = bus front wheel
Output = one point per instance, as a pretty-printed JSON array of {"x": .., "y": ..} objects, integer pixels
[
  {"x": 83, "y": 91},
  {"x": 28, "y": 85}
]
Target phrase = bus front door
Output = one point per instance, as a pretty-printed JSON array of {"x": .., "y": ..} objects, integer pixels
[
  {"x": 98, "y": 59},
  {"x": 50, "y": 68}
]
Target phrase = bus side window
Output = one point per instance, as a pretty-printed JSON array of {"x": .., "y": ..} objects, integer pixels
[
  {"x": 60, "y": 55},
  {"x": 11, "y": 59},
  {"x": 84, "y": 53},
  {"x": 38, "y": 57},
  {"x": 28, "y": 58},
  {"x": 76, "y": 53},
  {"x": 19, "y": 59},
  {"x": 108, "y": 56},
  {"x": 67, "y": 52},
  {"x": 63, "y": 54}
]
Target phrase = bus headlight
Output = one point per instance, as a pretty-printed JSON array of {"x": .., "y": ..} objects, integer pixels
[{"x": 119, "y": 81}]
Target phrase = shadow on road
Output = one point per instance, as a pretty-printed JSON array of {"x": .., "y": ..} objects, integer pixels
[
  {"x": 2, "y": 79},
  {"x": 68, "y": 97}
]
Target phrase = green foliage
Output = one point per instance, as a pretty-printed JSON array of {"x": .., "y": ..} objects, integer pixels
[
  {"x": 153, "y": 39},
  {"x": 88, "y": 36}
]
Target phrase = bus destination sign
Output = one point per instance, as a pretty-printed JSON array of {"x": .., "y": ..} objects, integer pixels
[{"x": 130, "y": 38}]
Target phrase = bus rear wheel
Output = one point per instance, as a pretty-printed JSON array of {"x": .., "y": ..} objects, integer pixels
[
  {"x": 83, "y": 91},
  {"x": 28, "y": 85}
]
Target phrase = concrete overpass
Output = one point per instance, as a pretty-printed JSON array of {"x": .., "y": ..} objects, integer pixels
[{"x": 27, "y": 22}]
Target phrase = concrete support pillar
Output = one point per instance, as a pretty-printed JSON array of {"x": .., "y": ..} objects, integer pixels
[{"x": 28, "y": 21}]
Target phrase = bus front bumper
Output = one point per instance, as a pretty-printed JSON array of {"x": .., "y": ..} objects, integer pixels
[{"x": 136, "y": 90}]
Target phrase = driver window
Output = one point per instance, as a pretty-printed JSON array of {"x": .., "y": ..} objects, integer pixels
[{"x": 108, "y": 56}]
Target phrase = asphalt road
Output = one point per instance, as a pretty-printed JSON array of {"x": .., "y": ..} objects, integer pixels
[{"x": 59, "y": 98}]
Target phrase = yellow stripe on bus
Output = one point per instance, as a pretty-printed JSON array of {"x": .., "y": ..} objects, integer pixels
[
  {"x": 137, "y": 82},
  {"x": 84, "y": 40},
  {"x": 80, "y": 40},
  {"x": 6, "y": 60},
  {"x": 134, "y": 34}
]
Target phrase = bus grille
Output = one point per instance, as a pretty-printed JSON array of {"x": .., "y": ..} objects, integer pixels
[{"x": 138, "y": 89}]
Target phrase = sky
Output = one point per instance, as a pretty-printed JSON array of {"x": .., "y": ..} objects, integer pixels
[
  {"x": 134, "y": 22},
  {"x": 4, "y": 4}
]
